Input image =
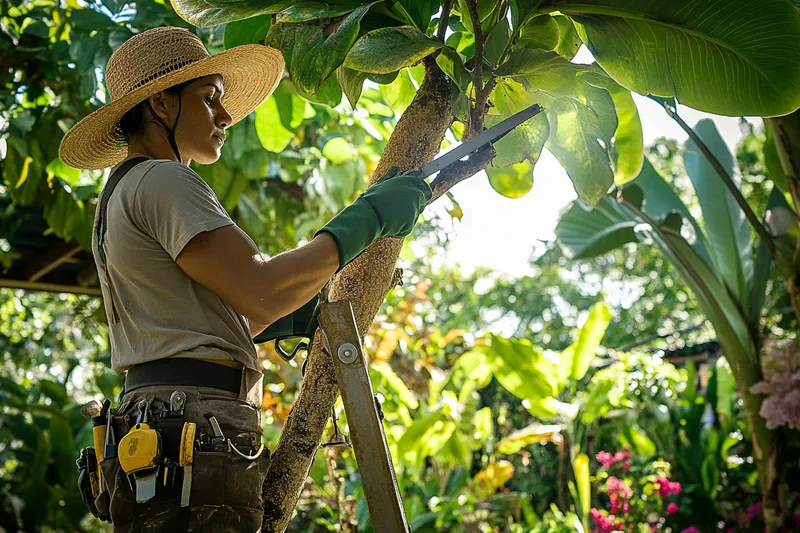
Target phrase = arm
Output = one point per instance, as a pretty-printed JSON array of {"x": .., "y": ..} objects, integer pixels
[{"x": 227, "y": 262}]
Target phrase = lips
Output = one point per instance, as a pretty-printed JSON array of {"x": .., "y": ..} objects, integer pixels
[{"x": 220, "y": 138}]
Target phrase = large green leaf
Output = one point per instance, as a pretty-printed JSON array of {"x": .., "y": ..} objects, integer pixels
[
  {"x": 660, "y": 199},
  {"x": 535, "y": 433},
  {"x": 762, "y": 270},
  {"x": 526, "y": 140},
  {"x": 205, "y": 14},
  {"x": 452, "y": 64},
  {"x": 496, "y": 42},
  {"x": 584, "y": 233},
  {"x": 574, "y": 140},
  {"x": 387, "y": 50},
  {"x": 420, "y": 11},
  {"x": 514, "y": 181},
  {"x": 727, "y": 229},
  {"x": 628, "y": 150},
  {"x": 400, "y": 92},
  {"x": 319, "y": 49},
  {"x": 522, "y": 369},
  {"x": 308, "y": 11},
  {"x": 538, "y": 32},
  {"x": 583, "y": 350},
  {"x": 729, "y": 57},
  {"x": 247, "y": 31},
  {"x": 352, "y": 82},
  {"x": 544, "y": 69},
  {"x": 271, "y": 126},
  {"x": 568, "y": 40}
]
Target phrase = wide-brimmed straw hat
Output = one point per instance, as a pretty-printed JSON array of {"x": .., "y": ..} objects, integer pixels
[{"x": 155, "y": 60}]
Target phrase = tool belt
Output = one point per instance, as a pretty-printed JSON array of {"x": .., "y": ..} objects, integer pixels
[
  {"x": 181, "y": 371},
  {"x": 152, "y": 442}
]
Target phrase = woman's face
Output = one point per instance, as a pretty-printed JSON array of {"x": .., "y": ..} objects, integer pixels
[{"x": 201, "y": 127}]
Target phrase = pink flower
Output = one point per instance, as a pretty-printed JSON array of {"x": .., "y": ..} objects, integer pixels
[
  {"x": 654, "y": 527},
  {"x": 691, "y": 530},
  {"x": 606, "y": 459},
  {"x": 754, "y": 510},
  {"x": 622, "y": 455},
  {"x": 615, "y": 485},
  {"x": 626, "y": 466},
  {"x": 602, "y": 523},
  {"x": 672, "y": 508},
  {"x": 667, "y": 487}
]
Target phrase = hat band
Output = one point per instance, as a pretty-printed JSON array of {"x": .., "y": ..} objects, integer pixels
[{"x": 162, "y": 72}]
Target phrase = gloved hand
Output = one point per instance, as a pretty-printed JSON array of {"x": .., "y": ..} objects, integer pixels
[
  {"x": 389, "y": 208},
  {"x": 300, "y": 323}
]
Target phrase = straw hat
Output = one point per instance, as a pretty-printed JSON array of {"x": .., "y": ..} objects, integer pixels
[{"x": 155, "y": 60}]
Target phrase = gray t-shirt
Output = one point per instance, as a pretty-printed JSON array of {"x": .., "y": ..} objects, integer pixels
[{"x": 158, "y": 311}]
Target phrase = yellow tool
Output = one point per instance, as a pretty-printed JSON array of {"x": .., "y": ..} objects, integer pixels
[
  {"x": 186, "y": 458},
  {"x": 139, "y": 455}
]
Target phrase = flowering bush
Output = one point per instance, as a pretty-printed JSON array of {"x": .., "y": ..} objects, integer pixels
[
  {"x": 781, "y": 385},
  {"x": 639, "y": 498}
]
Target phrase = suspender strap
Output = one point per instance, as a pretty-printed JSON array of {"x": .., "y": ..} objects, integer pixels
[{"x": 113, "y": 181}]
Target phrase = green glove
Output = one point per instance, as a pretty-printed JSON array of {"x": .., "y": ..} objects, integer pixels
[
  {"x": 389, "y": 208},
  {"x": 300, "y": 323}
]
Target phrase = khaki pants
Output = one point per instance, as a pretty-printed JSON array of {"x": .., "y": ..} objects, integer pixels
[{"x": 225, "y": 489}]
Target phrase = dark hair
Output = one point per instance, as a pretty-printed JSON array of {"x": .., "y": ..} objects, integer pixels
[{"x": 133, "y": 121}]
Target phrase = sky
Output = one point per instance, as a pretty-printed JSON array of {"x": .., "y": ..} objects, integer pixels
[{"x": 501, "y": 233}]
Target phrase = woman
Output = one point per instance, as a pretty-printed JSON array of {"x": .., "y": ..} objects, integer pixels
[{"x": 186, "y": 290}]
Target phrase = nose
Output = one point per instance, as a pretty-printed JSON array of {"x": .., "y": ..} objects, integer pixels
[{"x": 224, "y": 120}]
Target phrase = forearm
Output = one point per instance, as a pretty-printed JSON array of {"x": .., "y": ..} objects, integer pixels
[{"x": 294, "y": 277}]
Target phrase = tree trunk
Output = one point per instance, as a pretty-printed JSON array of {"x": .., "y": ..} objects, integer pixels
[
  {"x": 786, "y": 132},
  {"x": 365, "y": 282}
]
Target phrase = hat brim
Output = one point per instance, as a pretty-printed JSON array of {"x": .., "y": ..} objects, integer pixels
[{"x": 250, "y": 74}]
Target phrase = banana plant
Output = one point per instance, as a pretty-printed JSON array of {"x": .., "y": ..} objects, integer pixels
[{"x": 715, "y": 257}]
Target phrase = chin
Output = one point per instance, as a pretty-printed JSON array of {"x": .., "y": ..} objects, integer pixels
[{"x": 208, "y": 158}]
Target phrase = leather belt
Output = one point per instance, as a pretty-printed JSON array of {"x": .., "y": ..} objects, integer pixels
[{"x": 181, "y": 371}]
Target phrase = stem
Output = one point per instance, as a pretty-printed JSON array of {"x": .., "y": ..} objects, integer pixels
[
  {"x": 461, "y": 170},
  {"x": 444, "y": 21},
  {"x": 760, "y": 229},
  {"x": 476, "y": 117}
]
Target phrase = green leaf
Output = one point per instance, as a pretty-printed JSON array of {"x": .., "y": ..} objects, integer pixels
[
  {"x": 726, "y": 226},
  {"x": 574, "y": 141},
  {"x": 634, "y": 437},
  {"x": 322, "y": 51},
  {"x": 352, "y": 83},
  {"x": 87, "y": 20},
  {"x": 514, "y": 181},
  {"x": 628, "y": 154},
  {"x": 54, "y": 390},
  {"x": 569, "y": 42},
  {"x": 272, "y": 133},
  {"x": 726, "y": 387},
  {"x": 66, "y": 173},
  {"x": 599, "y": 101},
  {"x": 544, "y": 69},
  {"x": 762, "y": 271},
  {"x": 661, "y": 199},
  {"x": 329, "y": 93},
  {"x": 247, "y": 31},
  {"x": 452, "y": 64},
  {"x": 584, "y": 233},
  {"x": 463, "y": 42},
  {"x": 205, "y": 14},
  {"x": 538, "y": 32},
  {"x": 584, "y": 481},
  {"x": 535, "y": 433},
  {"x": 728, "y": 57},
  {"x": 475, "y": 366},
  {"x": 485, "y": 8},
  {"x": 496, "y": 42},
  {"x": 772, "y": 160},
  {"x": 421, "y": 12},
  {"x": 591, "y": 333},
  {"x": 483, "y": 427},
  {"x": 404, "y": 395},
  {"x": 386, "y": 50},
  {"x": 521, "y": 369},
  {"x": 525, "y": 142},
  {"x": 400, "y": 92},
  {"x": 308, "y": 11},
  {"x": 521, "y": 10},
  {"x": 338, "y": 150}
]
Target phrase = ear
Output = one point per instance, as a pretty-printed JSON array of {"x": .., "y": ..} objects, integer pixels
[{"x": 162, "y": 104}]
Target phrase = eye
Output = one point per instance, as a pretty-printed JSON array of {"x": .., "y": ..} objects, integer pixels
[{"x": 209, "y": 100}]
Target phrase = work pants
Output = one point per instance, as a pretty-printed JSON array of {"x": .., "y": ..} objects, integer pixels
[{"x": 225, "y": 488}]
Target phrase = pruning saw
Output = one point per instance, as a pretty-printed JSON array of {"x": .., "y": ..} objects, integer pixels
[{"x": 488, "y": 136}]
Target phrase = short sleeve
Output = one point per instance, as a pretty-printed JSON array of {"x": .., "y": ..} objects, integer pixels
[{"x": 172, "y": 203}]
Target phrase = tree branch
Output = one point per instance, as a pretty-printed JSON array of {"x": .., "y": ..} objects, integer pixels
[
  {"x": 444, "y": 21},
  {"x": 461, "y": 170},
  {"x": 476, "y": 116}
]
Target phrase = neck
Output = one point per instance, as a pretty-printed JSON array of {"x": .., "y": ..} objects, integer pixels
[{"x": 153, "y": 143}]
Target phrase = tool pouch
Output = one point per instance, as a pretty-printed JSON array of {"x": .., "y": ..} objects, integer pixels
[{"x": 88, "y": 483}]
